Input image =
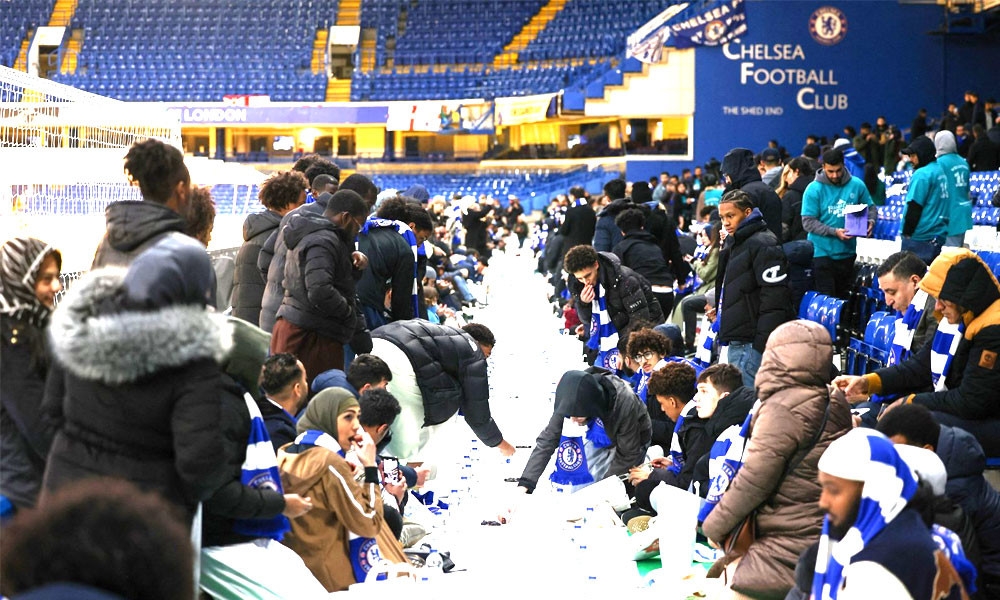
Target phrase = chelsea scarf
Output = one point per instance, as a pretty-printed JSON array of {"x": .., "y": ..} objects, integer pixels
[
  {"x": 583, "y": 454},
  {"x": 725, "y": 460},
  {"x": 418, "y": 250},
  {"x": 943, "y": 349},
  {"x": 603, "y": 334},
  {"x": 693, "y": 281},
  {"x": 905, "y": 328},
  {"x": 676, "y": 452},
  {"x": 363, "y": 552},
  {"x": 883, "y": 497},
  {"x": 703, "y": 354},
  {"x": 260, "y": 471}
]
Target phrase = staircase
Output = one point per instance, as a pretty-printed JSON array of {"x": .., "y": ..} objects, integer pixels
[
  {"x": 528, "y": 34},
  {"x": 318, "y": 63},
  {"x": 21, "y": 64},
  {"x": 62, "y": 13},
  {"x": 349, "y": 12},
  {"x": 71, "y": 55},
  {"x": 367, "y": 52},
  {"x": 338, "y": 90}
]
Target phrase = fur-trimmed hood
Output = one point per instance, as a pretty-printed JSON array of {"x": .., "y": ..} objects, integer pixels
[{"x": 97, "y": 344}]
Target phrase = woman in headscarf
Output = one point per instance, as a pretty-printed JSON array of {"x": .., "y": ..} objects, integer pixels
[
  {"x": 139, "y": 352},
  {"x": 332, "y": 461},
  {"x": 29, "y": 282}
]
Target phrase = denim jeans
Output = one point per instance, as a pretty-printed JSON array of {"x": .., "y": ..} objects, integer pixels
[
  {"x": 927, "y": 251},
  {"x": 957, "y": 241},
  {"x": 743, "y": 356}
]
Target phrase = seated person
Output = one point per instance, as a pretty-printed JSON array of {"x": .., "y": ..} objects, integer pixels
[
  {"x": 873, "y": 536},
  {"x": 647, "y": 349},
  {"x": 725, "y": 402},
  {"x": 344, "y": 532},
  {"x": 378, "y": 410},
  {"x": 965, "y": 463},
  {"x": 283, "y": 382},
  {"x": 674, "y": 387},
  {"x": 585, "y": 397},
  {"x": 367, "y": 371},
  {"x": 957, "y": 374}
]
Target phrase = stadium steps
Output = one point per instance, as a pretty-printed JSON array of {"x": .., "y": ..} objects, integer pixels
[
  {"x": 368, "y": 43},
  {"x": 349, "y": 13},
  {"x": 62, "y": 13},
  {"x": 338, "y": 90},
  {"x": 71, "y": 56},
  {"x": 21, "y": 64},
  {"x": 318, "y": 63},
  {"x": 528, "y": 33}
]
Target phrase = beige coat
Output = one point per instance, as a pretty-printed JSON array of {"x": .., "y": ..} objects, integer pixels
[
  {"x": 792, "y": 385},
  {"x": 340, "y": 506}
]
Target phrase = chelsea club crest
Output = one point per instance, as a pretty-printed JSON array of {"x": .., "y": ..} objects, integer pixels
[
  {"x": 714, "y": 32},
  {"x": 569, "y": 455},
  {"x": 828, "y": 25}
]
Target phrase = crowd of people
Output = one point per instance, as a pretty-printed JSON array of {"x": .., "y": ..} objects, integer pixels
[{"x": 278, "y": 407}]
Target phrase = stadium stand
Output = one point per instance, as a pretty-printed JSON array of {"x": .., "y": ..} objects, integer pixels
[{"x": 16, "y": 19}]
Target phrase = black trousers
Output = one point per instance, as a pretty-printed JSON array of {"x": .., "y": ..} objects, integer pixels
[{"x": 834, "y": 277}]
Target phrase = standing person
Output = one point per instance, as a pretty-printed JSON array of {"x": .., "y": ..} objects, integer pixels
[
  {"x": 158, "y": 170},
  {"x": 200, "y": 219},
  {"x": 29, "y": 282},
  {"x": 319, "y": 313},
  {"x": 740, "y": 172},
  {"x": 282, "y": 193},
  {"x": 919, "y": 125},
  {"x": 956, "y": 173},
  {"x": 138, "y": 356},
  {"x": 344, "y": 533},
  {"x": 795, "y": 423},
  {"x": 392, "y": 244},
  {"x": 798, "y": 178},
  {"x": 477, "y": 220},
  {"x": 984, "y": 154},
  {"x": 823, "y": 216},
  {"x": 770, "y": 163},
  {"x": 751, "y": 290},
  {"x": 610, "y": 299},
  {"x": 512, "y": 213},
  {"x": 867, "y": 145},
  {"x": 271, "y": 260},
  {"x": 438, "y": 371},
  {"x": 925, "y": 220},
  {"x": 640, "y": 252},
  {"x": 606, "y": 233},
  {"x": 705, "y": 264},
  {"x": 580, "y": 221}
]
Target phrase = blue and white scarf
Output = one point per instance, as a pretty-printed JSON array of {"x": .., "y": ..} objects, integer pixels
[
  {"x": 580, "y": 202},
  {"x": 906, "y": 326},
  {"x": 692, "y": 282},
  {"x": 676, "y": 452},
  {"x": 949, "y": 543},
  {"x": 363, "y": 552},
  {"x": 642, "y": 384},
  {"x": 418, "y": 250},
  {"x": 603, "y": 333},
  {"x": 583, "y": 455},
  {"x": 888, "y": 488},
  {"x": 943, "y": 349},
  {"x": 260, "y": 471},
  {"x": 725, "y": 460},
  {"x": 703, "y": 354}
]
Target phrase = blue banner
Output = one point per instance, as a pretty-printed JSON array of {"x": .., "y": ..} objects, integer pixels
[{"x": 707, "y": 23}]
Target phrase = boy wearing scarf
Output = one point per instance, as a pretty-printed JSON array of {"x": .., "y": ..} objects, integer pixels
[
  {"x": 873, "y": 541},
  {"x": 958, "y": 373},
  {"x": 333, "y": 462}
]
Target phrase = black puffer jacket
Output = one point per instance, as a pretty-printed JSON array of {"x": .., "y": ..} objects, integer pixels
[
  {"x": 791, "y": 209},
  {"x": 390, "y": 266},
  {"x": 641, "y": 252},
  {"x": 248, "y": 282},
  {"x": 451, "y": 373},
  {"x": 629, "y": 296},
  {"x": 965, "y": 462},
  {"x": 133, "y": 227},
  {"x": 626, "y": 423},
  {"x": 318, "y": 283},
  {"x": 606, "y": 233},
  {"x": 136, "y": 395},
  {"x": 755, "y": 279},
  {"x": 234, "y": 500},
  {"x": 578, "y": 226},
  {"x": 739, "y": 165},
  {"x": 271, "y": 262}
]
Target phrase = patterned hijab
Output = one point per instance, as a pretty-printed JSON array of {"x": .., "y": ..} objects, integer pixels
[{"x": 20, "y": 260}]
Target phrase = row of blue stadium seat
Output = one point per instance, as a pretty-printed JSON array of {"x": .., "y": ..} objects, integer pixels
[{"x": 15, "y": 20}]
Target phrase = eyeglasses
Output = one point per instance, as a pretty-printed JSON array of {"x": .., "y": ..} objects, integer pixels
[{"x": 643, "y": 356}]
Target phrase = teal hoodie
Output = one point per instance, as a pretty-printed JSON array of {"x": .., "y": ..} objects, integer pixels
[
  {"x": 956, "y": 171},
  {"x": 823, "y": 205}
]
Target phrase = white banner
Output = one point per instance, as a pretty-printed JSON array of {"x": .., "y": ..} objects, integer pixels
[
  {"x": 646, "y": 44},
  {"x": 523, "y": 109}
]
